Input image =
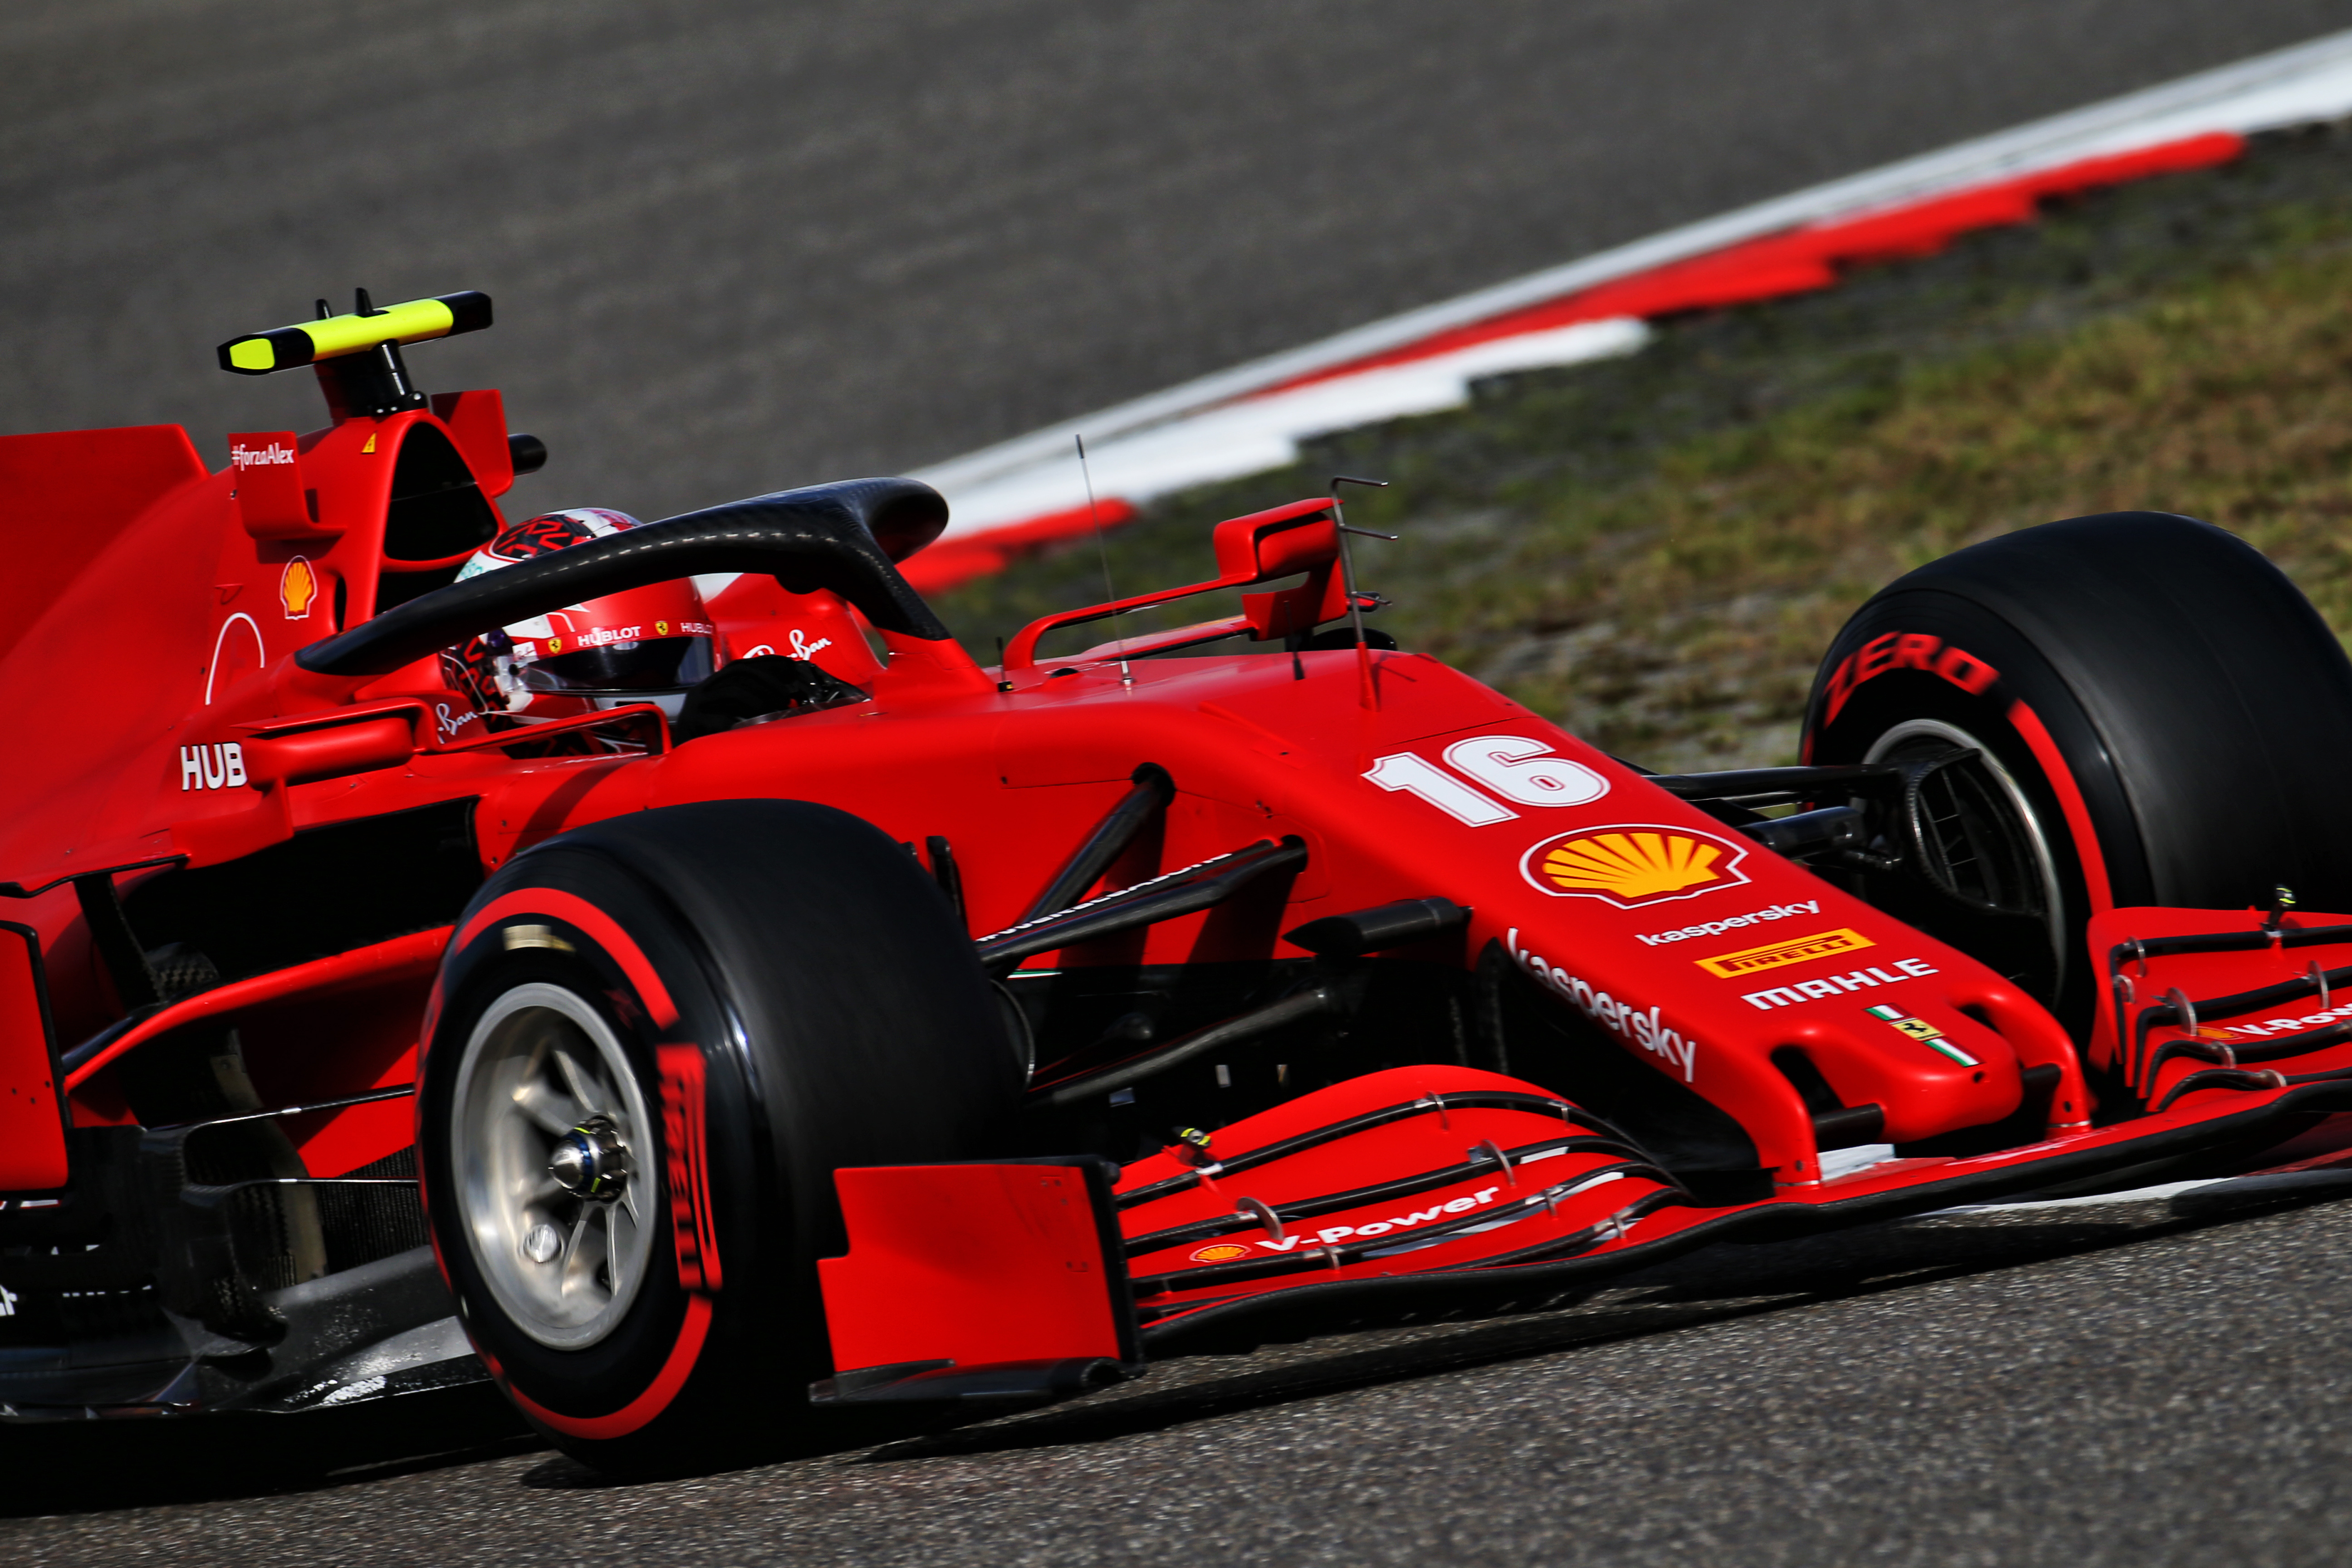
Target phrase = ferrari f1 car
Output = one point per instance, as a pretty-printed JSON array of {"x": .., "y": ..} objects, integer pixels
[{"x": 655, "y": 967}]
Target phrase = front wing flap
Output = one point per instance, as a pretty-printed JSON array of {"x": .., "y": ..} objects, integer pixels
[{"x": 1034, "y": 1279}]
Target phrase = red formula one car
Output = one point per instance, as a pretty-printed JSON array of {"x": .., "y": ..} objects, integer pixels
[{"x": 656, "y": 965}]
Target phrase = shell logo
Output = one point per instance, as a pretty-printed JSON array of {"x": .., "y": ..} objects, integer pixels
[
  {"x": 1632, "y": 864},
  {"x": 297, "y": 586},
  {"x": 1223, "y": 1252}
]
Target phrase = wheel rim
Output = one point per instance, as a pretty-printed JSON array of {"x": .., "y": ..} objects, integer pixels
[
  {"x": 1916, "y": 735},
  {"x": 540, "y": 1070}
]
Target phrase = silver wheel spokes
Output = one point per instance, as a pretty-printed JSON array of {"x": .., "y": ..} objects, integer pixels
[
  {"x": 544, "y": 1077},
  {"x": 2042, "y": 867}
]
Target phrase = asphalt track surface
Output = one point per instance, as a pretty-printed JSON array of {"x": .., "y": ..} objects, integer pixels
[
  {"x": 2162, "y": 1382},
  {"x": 739, "y": 246}
]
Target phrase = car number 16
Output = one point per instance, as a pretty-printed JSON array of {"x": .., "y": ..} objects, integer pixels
[{"x": 1513, "y": 766}]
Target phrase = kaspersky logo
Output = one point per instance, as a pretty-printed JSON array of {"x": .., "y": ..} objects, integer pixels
[
  {"x": 1634, "y": 864},
  {"x": 1789, "y": 911},
  {"x": 1644, "y": 1028}
]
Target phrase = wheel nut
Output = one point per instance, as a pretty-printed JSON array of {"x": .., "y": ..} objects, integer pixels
[
  {"x": 542, "y": 1244},
  {"x": 591, "y": 1161},
  {"x": 569, "y": 1164}
]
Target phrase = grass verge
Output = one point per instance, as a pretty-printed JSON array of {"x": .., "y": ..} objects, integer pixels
[{"x": 1654, "y": 551}]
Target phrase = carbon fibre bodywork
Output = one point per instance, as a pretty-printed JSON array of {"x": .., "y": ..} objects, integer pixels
[{"x": 1370, "y": 984}]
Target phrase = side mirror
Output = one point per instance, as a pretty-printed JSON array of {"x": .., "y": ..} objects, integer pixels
[
  {"x": 1279, "y": 546},
  {"x": 1299, "y": 537},
  {"x": 1281, "y": 541}
]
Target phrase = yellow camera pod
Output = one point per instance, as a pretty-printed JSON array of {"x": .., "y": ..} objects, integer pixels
[{"x": 417, "y": 321}]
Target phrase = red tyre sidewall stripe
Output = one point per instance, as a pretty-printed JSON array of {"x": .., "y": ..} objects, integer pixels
[
  {"x": 657, "y": 1396},
  {"x": 693, "y": 1232},
  {"x": 1890, "y": 651},
  {"x": 687, "y": 1349},
  {"x": 578, "y": 911},
  {"x": 2026, "y": 722}
]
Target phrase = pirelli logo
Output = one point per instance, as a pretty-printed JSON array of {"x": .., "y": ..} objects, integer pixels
[{"x": 1777, "y": 954}]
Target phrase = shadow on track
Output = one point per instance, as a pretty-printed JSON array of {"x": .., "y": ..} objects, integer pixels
[
  {"x": 86, "y": 1466},
  {"x": 83, "y": 1467},
  {"x": 1722, "y": 1284}
]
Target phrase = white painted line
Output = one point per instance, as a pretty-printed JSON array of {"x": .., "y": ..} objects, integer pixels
[
  {"x": 1252, "y": 435},
  {"x": 2259, "y": 1183},
  {"x": 1836, "y": 1162},
  {"x": 1192, "y": 434}
]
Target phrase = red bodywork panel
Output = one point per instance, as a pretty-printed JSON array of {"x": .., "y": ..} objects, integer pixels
[
  {"x": 64, "y": 498},
  {"x": 154, "y": 657},
  {"x": 974, "y": 1265},
  {"x": 32, "y": 1120}
]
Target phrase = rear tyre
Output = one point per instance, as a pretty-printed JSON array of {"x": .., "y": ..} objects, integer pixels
[
  {"x": 654, "y": 1040},
  {"x": 2163, "y": 718}
]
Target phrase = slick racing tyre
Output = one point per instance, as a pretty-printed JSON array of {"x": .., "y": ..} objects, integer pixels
[
  {"x": 653, "y": 1040},
  {"x": 2161, "y": 719}
]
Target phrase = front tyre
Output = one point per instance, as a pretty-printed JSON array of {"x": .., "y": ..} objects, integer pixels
[
  {"x": 2161, "y": 718},
  {"x": 654, "y": 1040},
  {"x": 548, "y": 1118}
]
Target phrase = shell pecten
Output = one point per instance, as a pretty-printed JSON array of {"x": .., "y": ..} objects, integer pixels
[{"x": 1632, "y": 864}]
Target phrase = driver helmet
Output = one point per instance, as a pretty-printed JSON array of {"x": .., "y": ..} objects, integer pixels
[{"x": 644, "y": 644}]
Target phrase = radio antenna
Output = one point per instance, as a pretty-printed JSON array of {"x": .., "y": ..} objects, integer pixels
[
  {"x": 1110, "y": 595},
  {"x": 1369, "y": 691}
]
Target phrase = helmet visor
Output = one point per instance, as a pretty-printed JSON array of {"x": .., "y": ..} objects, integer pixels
[{"x": 623, "y": 669}]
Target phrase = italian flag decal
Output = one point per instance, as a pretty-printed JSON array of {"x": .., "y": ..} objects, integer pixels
[{"x": 1924, "y": 1032}]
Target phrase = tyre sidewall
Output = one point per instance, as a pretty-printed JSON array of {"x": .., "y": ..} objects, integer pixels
[
  {"x": 2175, "y": 712},
  {"x": 637, "y": 969},
  {"x": 1987, "y": 681},
  {"x": 840, "y": 1017}
]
